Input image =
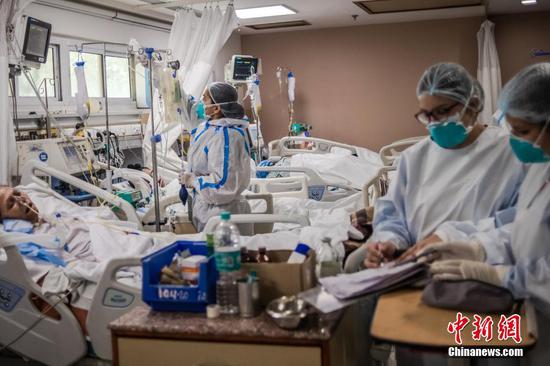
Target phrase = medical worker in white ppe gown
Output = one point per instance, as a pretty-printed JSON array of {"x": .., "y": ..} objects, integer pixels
[
  {"x": 464, "y": 171},
  {"x": 517, "y": 256},
  {"x": 219, "y": 157}
]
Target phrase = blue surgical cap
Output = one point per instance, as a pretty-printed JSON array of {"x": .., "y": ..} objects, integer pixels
[
  {"x": 452, "y": 81},
  {"x": 527, "y": 95},
  {"x": 226, "y": 95}
]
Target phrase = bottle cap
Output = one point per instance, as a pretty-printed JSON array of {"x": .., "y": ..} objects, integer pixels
[
  {"x": 225, "y": 216},
  {"x": 212, "y": 311}
]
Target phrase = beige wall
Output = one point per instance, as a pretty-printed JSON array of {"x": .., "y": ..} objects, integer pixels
[
  {"x": 357, "y": 84},
  {"x": 516, "y": 36}
]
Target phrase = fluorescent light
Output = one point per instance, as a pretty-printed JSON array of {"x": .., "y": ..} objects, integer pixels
[
  {"x": 529, "y": 2},
  {"x": 264, "y": 11}
]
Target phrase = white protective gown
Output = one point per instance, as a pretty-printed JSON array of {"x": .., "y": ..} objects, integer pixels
[
  {"x": 525, "y": 246},
  {"x": 219, "y": 159},
  {"x": 434, "y": 185}
]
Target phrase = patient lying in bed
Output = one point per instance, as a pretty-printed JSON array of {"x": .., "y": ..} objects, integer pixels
[{"x": 83, "y": 241}]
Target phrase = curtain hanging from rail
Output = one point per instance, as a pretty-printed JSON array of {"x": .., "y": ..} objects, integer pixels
[
  {"x": 488, "y": 69},
  {"x": 195, "y": 42},
  {"x": 10, "y": 44}
]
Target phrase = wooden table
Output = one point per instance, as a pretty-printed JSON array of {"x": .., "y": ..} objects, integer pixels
[
  {"x": 401, "y": 317},
  {"x": 146, "y": 337}
]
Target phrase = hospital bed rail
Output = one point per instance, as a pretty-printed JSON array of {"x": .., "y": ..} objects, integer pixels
[
  {"x": 282, "y": 147},
  {"x": 318, "y": 188},
  {"x": 377, "y": 186},
  {"x": 30, "y": 176},
  {"x": 258, "y": 219},
  {"x": 295, "y": 186},
  {"x": 136, "y": 177},
  {"x": 390, "y": 153},
  {"x": 54, "y": 340},
  {"x": 112, "y": 300}
]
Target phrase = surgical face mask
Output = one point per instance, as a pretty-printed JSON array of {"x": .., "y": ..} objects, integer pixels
[
  {"x": 530, "y": 152},
  {"x": 201, "y": 109},
  {"x": 450, "y": 133}
]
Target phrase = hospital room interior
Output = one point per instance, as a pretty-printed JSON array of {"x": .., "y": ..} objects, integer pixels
[{"x": 275, "y": 182}]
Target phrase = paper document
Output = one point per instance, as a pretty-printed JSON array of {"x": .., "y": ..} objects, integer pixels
[{"x": 347, "y": 286}]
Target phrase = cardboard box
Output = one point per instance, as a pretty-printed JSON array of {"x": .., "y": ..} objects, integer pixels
[{"x": 279, "y": 278}]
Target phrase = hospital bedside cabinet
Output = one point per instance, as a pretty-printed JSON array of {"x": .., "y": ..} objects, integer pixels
[{"x": 145, "y": 337}]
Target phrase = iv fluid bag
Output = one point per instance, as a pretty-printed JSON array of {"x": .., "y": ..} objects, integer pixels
[{"x": 81, "y": 97}]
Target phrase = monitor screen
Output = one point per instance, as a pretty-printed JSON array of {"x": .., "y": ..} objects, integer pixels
[
  {"x": 37, "y": 40},
  {"x": 242, "y": 67}
]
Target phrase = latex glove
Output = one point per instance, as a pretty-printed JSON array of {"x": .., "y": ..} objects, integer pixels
[
  {"x": 378, "y": 253},
  {"x": 184, "y": 195},
  {"x": 455, "y": 270},
  {"x": 472, "y": 251},
  {"x": 418, "y": 247},
  {"x": 187, "y": 179}
]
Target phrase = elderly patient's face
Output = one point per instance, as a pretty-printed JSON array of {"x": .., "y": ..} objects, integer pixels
[{"x": 17, "y": 205}]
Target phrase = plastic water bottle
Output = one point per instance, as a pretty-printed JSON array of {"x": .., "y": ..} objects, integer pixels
[
  {"x": 328, "y": 261},
  {"x": 227, "y": 249}
]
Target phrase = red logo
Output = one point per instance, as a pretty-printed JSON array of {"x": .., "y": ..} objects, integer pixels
[
  {"x": 509, "y": 327},
  {"x": 482, "y": 328},
  {"x": 457, "y": 326}
]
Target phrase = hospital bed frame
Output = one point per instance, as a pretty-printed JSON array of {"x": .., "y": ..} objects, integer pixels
[
  {"x": 390, "y": 153},
  {"x": 281, "y": 147},
  {"x": 30, "y": 176},
  {"x": 51, "y": 341},
  {"x": 377, "y": 186},
  {"x": 147, "y": 221},
  {"x": 296, "y": 186},
  {"x": 61, "y": 342},
  {"x": 318, "y": 189},
  {"x": 131, "y": 175}
]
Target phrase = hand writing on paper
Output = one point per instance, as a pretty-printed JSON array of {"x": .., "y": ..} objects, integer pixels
[{"x": 378, "y": 253}]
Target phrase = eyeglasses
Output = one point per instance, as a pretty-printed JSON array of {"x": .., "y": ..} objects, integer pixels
[{"x": 437, "y": 114}]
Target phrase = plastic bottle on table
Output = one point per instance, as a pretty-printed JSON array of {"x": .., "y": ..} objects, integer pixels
[
  {"x": 328, "y": 261},
  {"x": 228, "y": 261}
]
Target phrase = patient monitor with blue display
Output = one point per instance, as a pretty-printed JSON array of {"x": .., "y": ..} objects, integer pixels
[{"x": 241, "y": 67}]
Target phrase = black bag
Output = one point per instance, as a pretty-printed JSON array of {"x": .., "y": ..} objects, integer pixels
[{"x": 468, "y": 295}]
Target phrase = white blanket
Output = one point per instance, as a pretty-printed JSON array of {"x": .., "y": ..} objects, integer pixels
[{"x": 340, "y": 167}]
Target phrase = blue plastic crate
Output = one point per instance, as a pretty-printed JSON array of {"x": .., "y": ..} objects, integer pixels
[{"x": 174, "y": 297}]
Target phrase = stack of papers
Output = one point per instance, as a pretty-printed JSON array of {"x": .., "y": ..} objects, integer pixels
[{"x": 348, "y": 286}]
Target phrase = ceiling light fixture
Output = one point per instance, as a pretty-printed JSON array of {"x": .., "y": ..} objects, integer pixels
[
  {"x": 264, "y": 11},
  {"x": 529, "y": 2}
]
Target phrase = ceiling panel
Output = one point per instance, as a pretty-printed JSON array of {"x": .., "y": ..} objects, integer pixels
[{"x": 343, "y": 13}]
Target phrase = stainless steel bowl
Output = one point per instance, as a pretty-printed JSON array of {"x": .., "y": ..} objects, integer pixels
[{"x": 287, "y": 311}]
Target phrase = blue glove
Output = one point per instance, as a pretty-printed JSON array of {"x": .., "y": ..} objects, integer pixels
[
  {"x": 33, "y": 250},
  {"x": 183, "y": 194},
  {"x": 262, "y": 175}
]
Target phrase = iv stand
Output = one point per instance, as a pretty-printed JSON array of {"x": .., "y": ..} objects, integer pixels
[
  {"x": 154, "y": 138},
  {"x": 258, "y": 124},
  {"x": 108, "y": 171},
  {"x": 44, "y": 88}
]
